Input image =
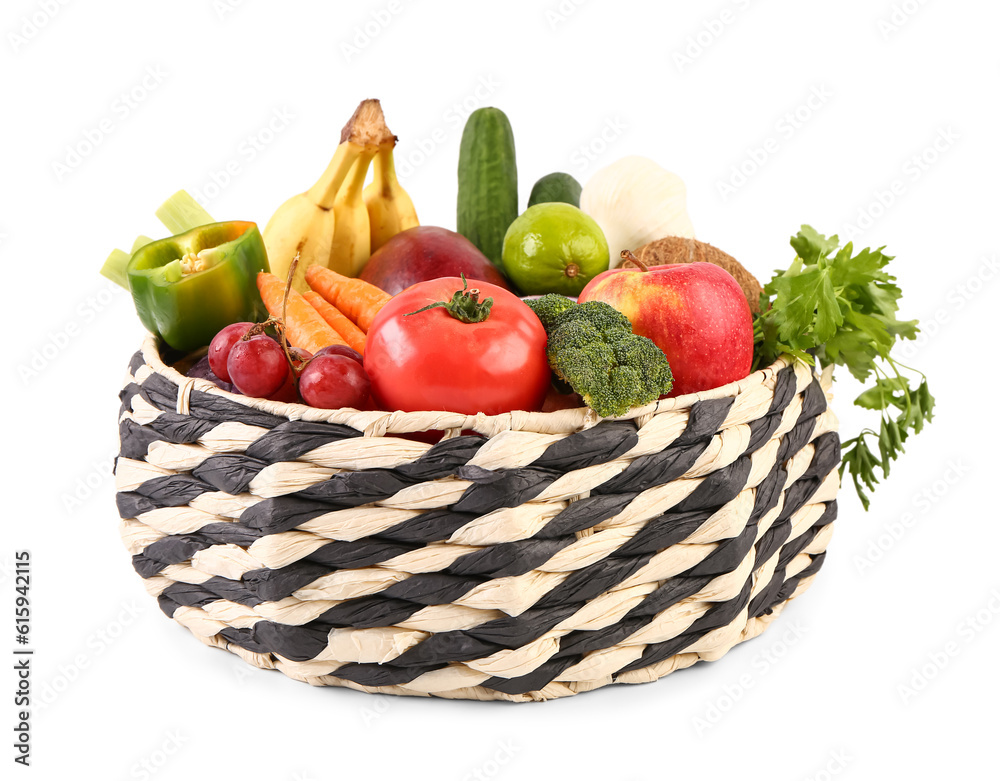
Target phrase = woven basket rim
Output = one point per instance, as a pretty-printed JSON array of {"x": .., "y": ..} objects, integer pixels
[{"x": 379, "y": 423}]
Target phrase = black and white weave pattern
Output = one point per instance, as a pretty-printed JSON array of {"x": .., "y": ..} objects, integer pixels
[{"x": 524, "y": 557}]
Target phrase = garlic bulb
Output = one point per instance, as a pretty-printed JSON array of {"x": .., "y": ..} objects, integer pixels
[{"x": 635, "y": 201}]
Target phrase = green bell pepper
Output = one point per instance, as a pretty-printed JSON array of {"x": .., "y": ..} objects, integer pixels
[{"x": 189, "y": 287}]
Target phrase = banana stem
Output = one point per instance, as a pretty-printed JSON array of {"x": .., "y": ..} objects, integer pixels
[
  {"x": 385, "y": 169},
  {"x": 324, "y": 192}
]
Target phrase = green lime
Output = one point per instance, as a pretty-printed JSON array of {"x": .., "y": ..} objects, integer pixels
[{"x": 554, "y": 248}]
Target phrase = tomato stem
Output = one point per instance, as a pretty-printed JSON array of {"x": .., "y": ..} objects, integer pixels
[{"x": 464, "y": 305}]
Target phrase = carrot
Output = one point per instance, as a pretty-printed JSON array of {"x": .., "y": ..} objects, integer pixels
[
  {"x": 357, "y": 299},
  {"x": 337, "y": 320},
  {"x": 304, "y": 326}
]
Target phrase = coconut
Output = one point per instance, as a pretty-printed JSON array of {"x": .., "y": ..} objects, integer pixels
[{"x": 676, "y": 249}]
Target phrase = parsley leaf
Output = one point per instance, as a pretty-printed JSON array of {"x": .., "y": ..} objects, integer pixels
[{"x": 834, "y": 306}]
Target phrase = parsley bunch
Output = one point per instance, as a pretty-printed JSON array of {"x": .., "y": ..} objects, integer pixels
[{"x": 833, "y": 306}]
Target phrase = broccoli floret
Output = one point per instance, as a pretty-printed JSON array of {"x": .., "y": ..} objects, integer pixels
[
  {"x": 591, "y": 347},
  {"x": 549, "y": 307}
]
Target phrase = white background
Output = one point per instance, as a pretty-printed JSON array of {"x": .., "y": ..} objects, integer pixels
[{"x": 910, "y": 593}]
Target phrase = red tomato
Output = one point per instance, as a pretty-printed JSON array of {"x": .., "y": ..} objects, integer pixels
[{"x": 433, "y": 361}]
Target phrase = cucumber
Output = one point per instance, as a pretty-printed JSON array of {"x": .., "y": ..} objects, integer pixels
[
  {"x": 556, "y": 188},
  {"x": 487, "y": 181}
]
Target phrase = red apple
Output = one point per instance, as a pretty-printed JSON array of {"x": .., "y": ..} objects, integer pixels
[
  {"x": 695, "y": 312},
  {"x": 427, "y": 252}
]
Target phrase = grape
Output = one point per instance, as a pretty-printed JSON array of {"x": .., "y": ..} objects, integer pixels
[
  {"x": 203, "y": 370},
  {"x": 341, "y": 349},
  {"x": 334, "y": 381},
  {"x": 222, "y": 343},
  {"x": 257, "y": 366}
]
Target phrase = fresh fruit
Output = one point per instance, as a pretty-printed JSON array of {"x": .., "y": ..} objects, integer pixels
[
  {"x": 555, "y": 188},
  {"x": 352, "y": 241},
  {"x": 676, "y": 249},
  {"x": 340, "y": 349},
  {"x": 441, "y": 345},
  {"x": 390, "y": 208},
  {"x": 332, "y": 381},
  {"x": 307, "y": 223},
  {"x": 257, "y": 366},
  {"x": 554, "y": 248},
  {"x": 203, "y": 370},
  {"x": 221, "y": 344},
  {"x": 695, "y": 312},
  {"x": 427, "y": 252},
  {"x": 487, "y": 181},
  {"x": 635, "y": 201}
]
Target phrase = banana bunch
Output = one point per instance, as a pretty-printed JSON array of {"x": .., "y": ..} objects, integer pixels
[
  {"x": 390, "y": 209},
  {"x": 329, "y": 224}
]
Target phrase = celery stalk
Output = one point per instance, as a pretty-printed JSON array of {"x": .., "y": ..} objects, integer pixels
[
  {"x": 114, "y": 267},
  {"x": 181, "y": 213}
]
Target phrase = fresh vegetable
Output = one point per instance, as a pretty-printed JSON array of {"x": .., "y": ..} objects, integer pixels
[
  {"x": 324, "y": 226},
  {"x": 257, "y": 365},
  {"x": 304, "y": 326},
  {"x": 221, "y": 344},
  {"x": 695, "y": 312},
  {"x": 591, "y": 348},
  {"x": 676, "y": 249},
  {"x": 556, "y": 188},
  {"x": 554, "y": 248},
  {"x": 337, "y": 320},
  {"x": 331, "y": 381},
  {"x": 635, "y": 201},
  {"x": 835, "y": 306},
  {"x": 487, "y": 181},
  {"x": 357, "y": 299},
  {"x": 179, "y": 213},
  {"x": 427, "y": 252},
  {"x": 441, "y": 345},
  {"x": 188, "y": 287},
  {"x": 390, "y": 208}
]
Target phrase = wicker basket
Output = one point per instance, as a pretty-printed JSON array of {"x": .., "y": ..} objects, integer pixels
[{"x": 543, "y": 555}]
